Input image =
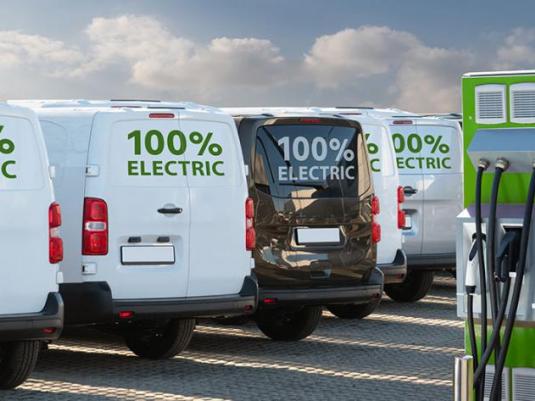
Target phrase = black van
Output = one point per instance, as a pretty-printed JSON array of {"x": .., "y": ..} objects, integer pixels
[{"x": 314, "y": 220}]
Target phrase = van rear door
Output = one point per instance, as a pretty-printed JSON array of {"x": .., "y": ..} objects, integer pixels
[
  {"x": 408, "y": 147},
  {"x": 137, "y": 166},
  {"x": 443, "y": 197},
  {"x": 218, "y": 258},
  {"x": 25, "y": 197},
  {"x": 311, "y": 179}
]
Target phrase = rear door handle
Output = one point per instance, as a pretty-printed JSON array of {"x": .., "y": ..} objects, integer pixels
[
  {"x": 170, "y": 210},
  {"x": 409, "y": 191}
]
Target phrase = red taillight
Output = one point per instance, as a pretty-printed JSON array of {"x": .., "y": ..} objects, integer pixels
[
  {"x": 401, "y": 194},
  {"x": 269, "y": 301},
  {"x": 376, "y": 206},
  {"x": 310, "y": 120},
  {"x": 55, "y": 243},
  {"x": 95, "y": 227},
  {"x": 401, "y": 214},
  {"x": 402, "y": 220},
  {"x": 376, "y": 232},
  {"x": 402, "y": 122},
  {"x": 161, "y": 115},
  {"x": 126, "y": 314},
  {"x": 250, "y": 233}
]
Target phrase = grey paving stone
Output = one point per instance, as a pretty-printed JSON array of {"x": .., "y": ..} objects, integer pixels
[{"x": 403, "y": 352}]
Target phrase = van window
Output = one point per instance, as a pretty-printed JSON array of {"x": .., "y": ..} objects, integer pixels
[{"x": 306, "y": 161}]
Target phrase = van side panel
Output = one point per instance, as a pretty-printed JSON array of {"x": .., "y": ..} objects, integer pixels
[
  {"x": 218, "y": 258},
  {"x": 443, "y": 196},
  {"x": 67, "y": 141},
  {"x": 25, "y": 196},
  {"x": 408, "y": 159},
  {"x": 385, "y": 183}
]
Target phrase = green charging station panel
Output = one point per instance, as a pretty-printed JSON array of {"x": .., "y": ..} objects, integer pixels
[
  {"x": 500, "y": 100},
  {"x": 496, "y": 101}
]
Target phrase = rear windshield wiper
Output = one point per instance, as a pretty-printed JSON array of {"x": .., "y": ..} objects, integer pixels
[{"x": 308, "y": 185}]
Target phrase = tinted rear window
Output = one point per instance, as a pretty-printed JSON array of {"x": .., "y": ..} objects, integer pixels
[{"x": 306, "y": 161}]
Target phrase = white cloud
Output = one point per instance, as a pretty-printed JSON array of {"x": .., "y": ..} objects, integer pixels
[
  {"x": 344, "y": 56},
  {"x": 428, "y": 79},
  {"x": 137, "y": 56},
  {"x": 518, "y": 50},
  {"x": 159, "y": 60},
  {"x": 35, "y": 53}
]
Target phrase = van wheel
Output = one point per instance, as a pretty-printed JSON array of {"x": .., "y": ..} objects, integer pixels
[
  {"x": 161, "y": 342},
  {"x": 17, "y": 361},
  {"x": 354, "y": 311},
  {"x": 281, "y": 325},
  {"x": 416, "y": 286}
]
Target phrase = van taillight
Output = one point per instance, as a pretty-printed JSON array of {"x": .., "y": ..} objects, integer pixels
[
  {"x": 250, "y": 233},
  {"x": 376, "y": 232},
  {"x": 402, "y": 220},
  {"x": 401, "y": 195},
  {"x": 55, "y": 243},
  {"x": 376, "y": 207},
  {"x": 376, "y": 227},
  {"x": 95, "y": 227}
]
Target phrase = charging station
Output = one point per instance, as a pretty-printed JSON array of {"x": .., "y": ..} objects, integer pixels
[{"x": 496, "y": 238}]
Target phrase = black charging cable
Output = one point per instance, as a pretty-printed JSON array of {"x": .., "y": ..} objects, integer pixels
[{"x": 495, "y": 394}]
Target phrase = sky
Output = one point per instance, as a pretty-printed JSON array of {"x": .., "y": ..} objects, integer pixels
[{"x": 408, "y": 54}]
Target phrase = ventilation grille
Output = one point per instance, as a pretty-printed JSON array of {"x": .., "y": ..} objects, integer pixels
[
  {"x": 490, "y": 105},
  {"x": 523, "y": 384},
  {"x": 489, "y": 377},
  {"x": 523, "y": 103}
]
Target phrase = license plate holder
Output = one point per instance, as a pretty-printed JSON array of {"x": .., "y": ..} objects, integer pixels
[
  {"x": 318, "y": 236},
  {"x": 148, "y": 255}
]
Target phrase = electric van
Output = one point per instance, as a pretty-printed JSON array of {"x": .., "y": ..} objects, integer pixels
[
  {"x": 31, "y": 308},
  {"x": 315, "y": 219},
  {"x": 158, "y": 220},
  {"x": 391, "y": 258},
  {"x": 430, "y": 163}
]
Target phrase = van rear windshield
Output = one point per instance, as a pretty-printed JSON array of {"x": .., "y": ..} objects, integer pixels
[{"x": 306, "y": 161}]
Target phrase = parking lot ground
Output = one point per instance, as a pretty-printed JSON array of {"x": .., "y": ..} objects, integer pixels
[{"x": 402, "y": 352}]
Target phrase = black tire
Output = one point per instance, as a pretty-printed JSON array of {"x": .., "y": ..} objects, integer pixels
[
  {"x": 416, "y": 286},
  {"x": 280, "y": 325},
  {"x": 354, "y": 311},
  {"x": 17, "y": 361},
  {"x": 162, "y": 342}
]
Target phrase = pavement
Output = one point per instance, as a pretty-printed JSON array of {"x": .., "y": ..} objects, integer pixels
[{"x": 401, "y": 352}]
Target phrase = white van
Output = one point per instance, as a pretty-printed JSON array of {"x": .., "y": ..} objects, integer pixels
[
  {"x": 391, "y": 259},
  {"x": 31, "y": 309},
  {"x": 159, "y": 224},
  {"x": 430, "y": 163}
]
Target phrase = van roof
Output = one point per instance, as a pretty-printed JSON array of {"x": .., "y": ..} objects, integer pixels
[
  {"x": 15, "y": 110},
  {"x": 498, "y": 73},
  {"x": 114, "y": 103}
]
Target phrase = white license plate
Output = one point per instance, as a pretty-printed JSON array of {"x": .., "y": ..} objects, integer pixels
[
  {"x": 318, "y": 235},
  {"x": 148, "y": 255}
]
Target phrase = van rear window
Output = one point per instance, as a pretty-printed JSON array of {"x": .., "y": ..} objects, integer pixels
[{"x": 306, "y": 161}]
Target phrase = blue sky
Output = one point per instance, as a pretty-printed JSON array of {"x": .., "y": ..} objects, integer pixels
[{"x": 408, "y": 54}]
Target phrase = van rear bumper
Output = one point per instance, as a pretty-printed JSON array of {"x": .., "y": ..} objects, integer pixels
[
  {"x": 434, "y": 262},
  {"x": 92, "y": 303},
  {"x": 359, "y": 294},
  {"x": 44, "y": 325},
  {"x": 396, "y": 271}
]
